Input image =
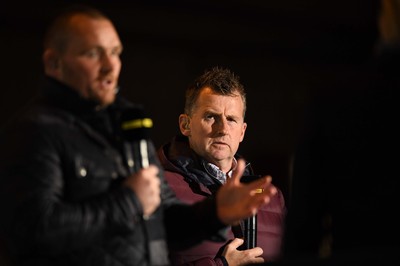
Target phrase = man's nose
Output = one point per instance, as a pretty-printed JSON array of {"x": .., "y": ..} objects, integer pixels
[
  {"x": 107, "y": 63},
  {"x": 222, "y": 126}
]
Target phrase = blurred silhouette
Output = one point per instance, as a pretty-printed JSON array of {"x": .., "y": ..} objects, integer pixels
[{"x": 343, "y": 199}]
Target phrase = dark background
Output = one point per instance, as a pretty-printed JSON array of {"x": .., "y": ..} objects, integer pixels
[{"x": 285, "y": 52}]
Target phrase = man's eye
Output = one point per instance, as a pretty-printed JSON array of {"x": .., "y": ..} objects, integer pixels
[
  {"x": 116, "y": 52},
  {"x": 92, "y": 53}
]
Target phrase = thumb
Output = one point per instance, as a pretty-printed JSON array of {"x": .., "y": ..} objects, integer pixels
[
  {"x": 237, "y": 242},
  {"x": 238, "y": 171}
]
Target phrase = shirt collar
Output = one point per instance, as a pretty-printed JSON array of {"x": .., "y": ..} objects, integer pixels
[{"x": 217, "y": 173}]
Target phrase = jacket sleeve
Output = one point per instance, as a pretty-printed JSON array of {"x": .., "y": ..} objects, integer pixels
[{"x": 199, "y": 222}]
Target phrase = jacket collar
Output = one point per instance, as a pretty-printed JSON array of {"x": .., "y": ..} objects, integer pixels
[
  {"x": 62, "y": 96},
  {"x": 216, "y": 173},
  {"x": 177, "y": 156}
]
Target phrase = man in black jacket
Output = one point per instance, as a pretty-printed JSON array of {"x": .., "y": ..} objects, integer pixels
[{"x": 67, "y": 195}]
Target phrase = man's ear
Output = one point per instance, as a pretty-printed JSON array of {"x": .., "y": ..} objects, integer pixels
[
  {"x": 184, "y": 124},
  {"x": 243, "y": 131},
  {"x": 51, "y": 63}
]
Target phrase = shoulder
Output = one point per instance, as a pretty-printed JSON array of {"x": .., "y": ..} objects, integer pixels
[
  {"x": 182, "y": 188},
  {"x": 276, "y": 204},
  {"x": 174, "y": 179}
]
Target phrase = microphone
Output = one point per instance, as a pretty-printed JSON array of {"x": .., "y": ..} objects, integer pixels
[
  {"x": 250, "y": 230},
  {"x": 136, "y": 128},
  {"x": 250, "y": 224}
]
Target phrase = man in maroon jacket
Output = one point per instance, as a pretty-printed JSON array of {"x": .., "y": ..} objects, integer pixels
[{"x": 200, "y": 159}]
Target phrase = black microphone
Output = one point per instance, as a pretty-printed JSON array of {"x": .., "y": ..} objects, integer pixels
[
  {"x": 250, "y": 224},
  {"x": 136, "y": 126}
]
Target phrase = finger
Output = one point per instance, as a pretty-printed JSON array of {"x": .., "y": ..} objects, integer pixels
[
  {"x": 269, "y": 190},
  {"x": 152, "y": 169},
  {"x": 260, "y": 183},
  {"x": 262, "y": 187},
  {"x": 258, "y": 260},
  {"x": 237, "y": 242},
  {"x": 256, "y": 251},
  {"x": 238, "y": 171},
  {"x": 258, "y": 200}
]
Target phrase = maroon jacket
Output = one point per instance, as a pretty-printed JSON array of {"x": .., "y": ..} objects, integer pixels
[{"x": 187, "y": 176}]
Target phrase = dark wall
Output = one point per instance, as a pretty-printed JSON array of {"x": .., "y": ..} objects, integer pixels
[{"x": 284, "y": 52}]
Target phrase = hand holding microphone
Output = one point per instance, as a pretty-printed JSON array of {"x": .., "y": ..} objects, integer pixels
[
  {"x": 236, "y": 257},
  {"x": 146, "y": 185},
  {"x": 143, "y": 179}
]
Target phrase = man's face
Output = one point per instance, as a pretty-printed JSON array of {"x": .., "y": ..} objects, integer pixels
[
  {"x": 91, "y": 62},
  {"x": 217, "y": 127}
]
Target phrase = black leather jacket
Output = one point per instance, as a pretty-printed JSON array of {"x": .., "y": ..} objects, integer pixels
[{"x": 61, "y": 200}]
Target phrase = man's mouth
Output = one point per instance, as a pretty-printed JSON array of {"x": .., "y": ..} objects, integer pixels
[
  {"x": 218, "y": 143},
  {"x": 107, "y": 83}
]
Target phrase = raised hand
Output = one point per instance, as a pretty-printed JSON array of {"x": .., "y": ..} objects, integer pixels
[{"x": 237, "y": 201}]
